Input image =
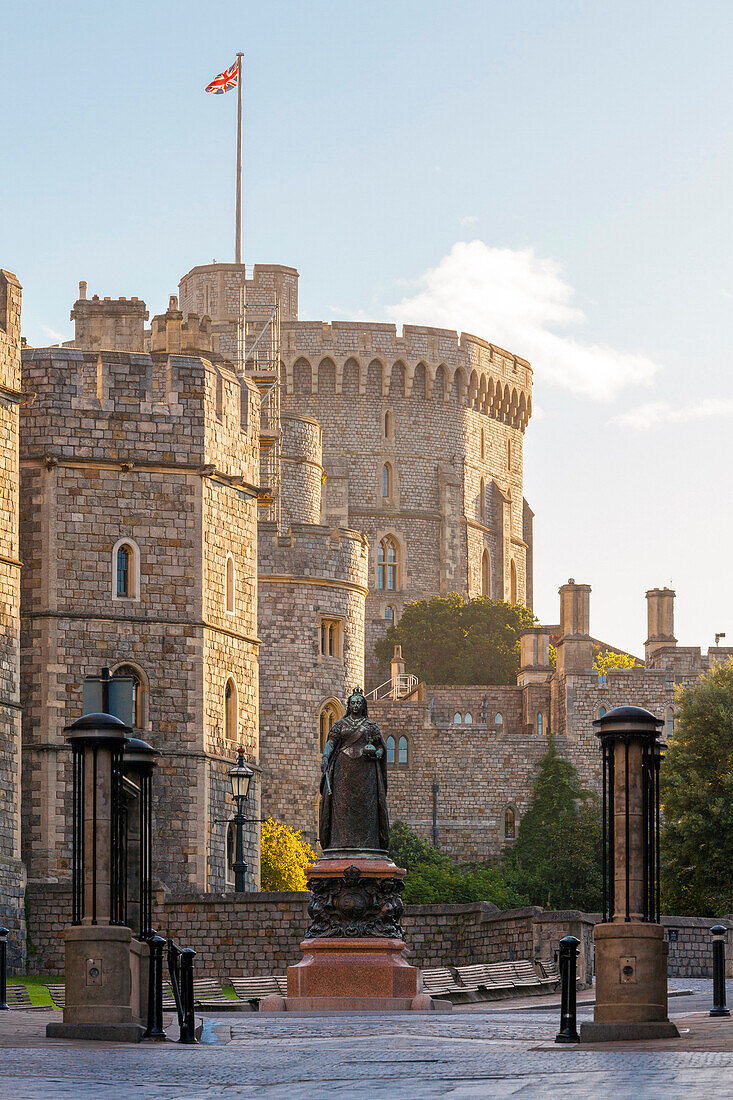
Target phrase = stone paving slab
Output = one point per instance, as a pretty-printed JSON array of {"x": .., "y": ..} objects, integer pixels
[{"x": 458, "y": 1056}]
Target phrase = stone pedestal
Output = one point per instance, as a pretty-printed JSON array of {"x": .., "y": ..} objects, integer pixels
[
  {"x": 106, "y": 985},
  {"x": 353, "y": 953},
  {"x": 631, "y": 984}
]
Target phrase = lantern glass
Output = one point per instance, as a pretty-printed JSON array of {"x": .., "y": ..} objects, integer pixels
[{"x": 240, "y": 777}]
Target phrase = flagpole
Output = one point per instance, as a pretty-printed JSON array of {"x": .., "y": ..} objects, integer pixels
[{"x": 238, "y": 216}]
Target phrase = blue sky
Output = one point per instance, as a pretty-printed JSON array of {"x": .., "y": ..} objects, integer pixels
[{"x": 555, "y": 176}]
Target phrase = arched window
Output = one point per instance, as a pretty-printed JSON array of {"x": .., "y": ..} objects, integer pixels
[
  {"x": 129, "y": 672},
  {"x": 387, "y": 481},
  {"x": 390, "y": 750},
  {"x": 601, "y": 712},
  {"x": 508, "y": 454},
  {"x": 388, "y": 425},
  {"x": 482, "y": 500},
  {"x": 457, "y": 718},
  {"x": 468, "y": 719},
  {"x": 387, "y": 563},
  {"x": 669, "y": 723},
  {"x": 512, "y": 582},
  {"x": 230, "y": 584},
  {"x": 485, "y": 574},
  {"x": 402, "y": 750},
  {"x": 499, "y": 721},
  {"x": 540, "y": 722},
  {"x": 231, "y": 715},
  {"x": 510, "y": 823},
  {"x": 389, "y": 614},
  {"x": 329, "y": 715},
  {"x": 125, "y": 570}
]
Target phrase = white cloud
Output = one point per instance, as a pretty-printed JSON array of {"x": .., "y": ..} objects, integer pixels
[
  {"x": 57, "y": 337},
  {"x": 655, "y": 413},
  {"x": 516, "y": 299},
  {"x": 470, "y": 219}
]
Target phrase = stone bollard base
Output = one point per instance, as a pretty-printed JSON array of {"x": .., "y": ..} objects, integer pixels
[{"x": 631, "y": 984}]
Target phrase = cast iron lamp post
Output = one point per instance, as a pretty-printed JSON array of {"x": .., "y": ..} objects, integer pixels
[{"x": 240, "y": 777}]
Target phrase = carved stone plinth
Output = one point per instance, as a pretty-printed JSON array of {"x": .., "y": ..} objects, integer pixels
[{"x": 353, "y": 953}]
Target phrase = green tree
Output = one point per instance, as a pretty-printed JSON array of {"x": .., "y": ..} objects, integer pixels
[
  {"x": 409, "y": 850},
  {"x": 608, "y": 658},
  {"x": 448, "y": 640},
  {"x": 697, "y": 799},
  {"x": 557, "y": 859},
  {"x": 284, "y": 856}
]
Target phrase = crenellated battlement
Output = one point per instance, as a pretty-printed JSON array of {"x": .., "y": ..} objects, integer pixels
[
  {"x": 169, "y": 332},
  {"x": 10, "y": 299},
  {"x": 310, "y": 554},
  {"x": 433, "y": 363},
  {"x": 118, "y": 406},
  {"x": 108, "y": 324}
]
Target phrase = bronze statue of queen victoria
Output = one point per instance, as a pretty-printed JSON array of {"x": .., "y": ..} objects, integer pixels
[{"x": 354, "y": 784}]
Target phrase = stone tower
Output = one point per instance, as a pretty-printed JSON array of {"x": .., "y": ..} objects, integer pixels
[
  {"x": 313, "y": 585},
  {"x": 139, "y": 487},
  {"x": 12, "y": 872},
  {"x": 422, "y": 442}
]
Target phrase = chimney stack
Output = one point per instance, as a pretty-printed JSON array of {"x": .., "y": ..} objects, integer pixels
[{"x": 660, "y": 620}]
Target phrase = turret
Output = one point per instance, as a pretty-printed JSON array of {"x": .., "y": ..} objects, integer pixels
[
  {"x": 108, "y": 324},
  {"x": 534, "y": 666}
]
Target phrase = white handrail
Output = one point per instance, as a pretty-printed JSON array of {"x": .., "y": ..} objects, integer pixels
[{"x": 396, "y": 688}]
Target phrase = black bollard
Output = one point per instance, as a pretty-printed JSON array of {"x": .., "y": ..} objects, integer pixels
[
  {"x": 4, "y": 932},
  {"x": 154, "y": 1029},
  {"x": 188, "y": 1024},
  {"x": 719, "y": 933},
  {"x": 568, "y": 1032}
]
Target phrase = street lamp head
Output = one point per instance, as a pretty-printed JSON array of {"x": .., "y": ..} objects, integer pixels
[{"x": 240, "y": 777}]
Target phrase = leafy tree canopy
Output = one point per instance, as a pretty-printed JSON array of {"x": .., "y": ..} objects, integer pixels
[
  {"x": 697, "y": 799},
  {"x": 607, "y": 658},
  {"x": 284, "y": 856},
  {"x": 449, "y": 640},
  {"x": 557, "y": 859}
]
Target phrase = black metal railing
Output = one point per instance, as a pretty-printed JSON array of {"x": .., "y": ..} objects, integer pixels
[
  {"x": 4, "y": 933},
  {"x": 180, "y": 966}
]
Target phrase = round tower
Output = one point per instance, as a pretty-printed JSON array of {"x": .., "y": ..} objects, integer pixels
[{"x": 312, "y": 591}]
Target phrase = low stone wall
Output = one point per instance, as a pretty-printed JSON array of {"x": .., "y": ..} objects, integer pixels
[
  {"x": 690, "y": 946},
  {"x": 261, "y": 933}
]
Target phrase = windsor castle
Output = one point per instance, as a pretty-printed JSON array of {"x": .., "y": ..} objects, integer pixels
[{"x": 230, "y": 507}]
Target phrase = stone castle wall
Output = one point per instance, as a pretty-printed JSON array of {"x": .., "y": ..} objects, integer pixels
[
  {"x": 162, "y": 451},
  {"x": 302, "y": 471},
  {"x": 12, "y": 872}
]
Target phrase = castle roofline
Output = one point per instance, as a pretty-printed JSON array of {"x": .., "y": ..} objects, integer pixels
[{"x": 225, "y": 267}]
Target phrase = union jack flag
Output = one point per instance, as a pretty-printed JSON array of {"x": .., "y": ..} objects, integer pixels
[{"x": 224, "y": 81}]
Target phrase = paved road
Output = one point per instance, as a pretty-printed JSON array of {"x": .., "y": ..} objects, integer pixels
[{"x": 494, "y": 1053}]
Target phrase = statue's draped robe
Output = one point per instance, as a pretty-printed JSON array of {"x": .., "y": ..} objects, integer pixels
[{"x": 354, "y": 789}]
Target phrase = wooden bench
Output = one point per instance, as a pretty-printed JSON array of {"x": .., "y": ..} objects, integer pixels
[
  {"x": 550, "y": 972},
  {"x": 57, "y": 993},
  {"x": 208, "y": 993},
  {"x": 439, "y": 982},
  {"x": 481, "y": 978},
  {"x": 524, "y": 973},
  {"x": 254, "y": 989}
]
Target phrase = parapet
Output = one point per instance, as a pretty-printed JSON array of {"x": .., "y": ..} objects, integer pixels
[
  {"x": 215, "y": 290},
  {"x": 424, "y": 362},
  {"x": 314, "y": 555},
  {"x": 169, "y": 332},
  {"x": 149, "y": 408},
  {"x": 108, "y": 324}
]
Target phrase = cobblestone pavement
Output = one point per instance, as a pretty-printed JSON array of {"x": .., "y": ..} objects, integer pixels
[{"x": 497, "y": 1052}]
